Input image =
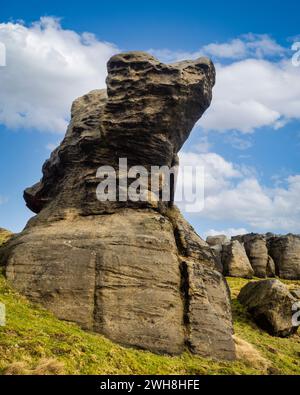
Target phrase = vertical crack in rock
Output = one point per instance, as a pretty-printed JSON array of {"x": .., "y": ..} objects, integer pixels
[{"x": 184, "y": 288}]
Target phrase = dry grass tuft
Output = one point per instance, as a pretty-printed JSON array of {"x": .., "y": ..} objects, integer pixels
[
  {"x": 44, "y": 367},
  {"x": 49, "y": 367},
  {"x": 16, "y": 368},
  {"x": 248, "y": 354}
]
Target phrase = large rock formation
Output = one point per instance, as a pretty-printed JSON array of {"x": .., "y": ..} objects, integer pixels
[
  {"x": 272, "y": 306},
  {"x": 133, "y": 270},
  {"x": 285, "y": 251}
]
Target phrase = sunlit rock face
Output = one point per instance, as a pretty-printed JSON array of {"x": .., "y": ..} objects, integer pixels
[{"x": 134, "y": 271}]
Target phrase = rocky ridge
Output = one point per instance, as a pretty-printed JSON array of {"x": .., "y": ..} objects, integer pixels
[{"x": 269, "y": 255}]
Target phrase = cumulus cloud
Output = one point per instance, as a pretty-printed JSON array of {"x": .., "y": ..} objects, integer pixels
[
  {"x": 234, "y": 193},
  {"x": 227, "y": 232},
  {"x": 257, "y": 84},
  {"x": 247, "y": 46},
  {"x": 254, "y": 93},
  {"x": 47, "y": 68}
]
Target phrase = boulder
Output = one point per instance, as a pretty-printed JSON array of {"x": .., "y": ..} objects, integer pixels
[
  {"x": 217, "y": 240},
  {"x": 256, "y": 249},
  {"x": 285, "y": 251},
  {"x": 216, "y": 244},
  {"x": 235, "y": 260},
  {"x": 270, "y": 303},
  {"x": 135, "y": 271}
]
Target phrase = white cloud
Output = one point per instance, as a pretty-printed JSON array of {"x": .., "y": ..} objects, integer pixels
[
  {"x": 256, "y": 86},
  {"x": 227, "y": 232},
  {"x": 240, "y": 143},
  {"x": 203, "y": 145},
  {"x": 247, "y": 46},
  {"x": 233, "y": 193},
  {"x": 47, "y": 68},
  {"x": 250, "y": 45},
  {"x": 253, "y": 93}
]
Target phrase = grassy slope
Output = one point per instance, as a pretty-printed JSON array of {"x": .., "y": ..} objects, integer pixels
[
  {"x": 32, "y": 336},
  {"x": 282, "y": 353}
]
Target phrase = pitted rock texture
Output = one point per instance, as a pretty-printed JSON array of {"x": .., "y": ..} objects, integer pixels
[
  {"x": 271, "y": 305},
  {"x": 135, "y": 271},
  {"x": 145, "y": 115}
]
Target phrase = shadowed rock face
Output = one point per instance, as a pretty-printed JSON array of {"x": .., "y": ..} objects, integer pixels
[
  {"x": 235, "y": 260},
  {"x": 285, "y": 251},
  {"x": 134, "y": 271},
  {"x": 258, "y": 254},
  {"x": 271, "y": 305}
]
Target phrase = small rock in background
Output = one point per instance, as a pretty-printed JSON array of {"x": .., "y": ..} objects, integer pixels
[
  {"x": 217, "y": 240},
  {"x": 285, "y": 251},
  {"x": 216, "y": 244},
  {"x": 271, "y": 305},
  {"x": 235, "y": 260},
  {"x": 256, "y": 249}
]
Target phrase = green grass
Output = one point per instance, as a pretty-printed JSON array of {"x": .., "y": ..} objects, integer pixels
[
  {"x": 4, "y": 235},
  {"x": 282, "y": 353},
  {"x": 32, "y": 336}
]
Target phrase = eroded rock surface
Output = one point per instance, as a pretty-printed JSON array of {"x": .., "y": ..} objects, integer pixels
[{"x": 134, "y": 271}]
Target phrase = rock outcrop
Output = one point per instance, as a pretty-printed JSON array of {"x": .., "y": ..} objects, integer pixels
[
  {"x": 269, "y": 255},
  {"x": 285, "y": 251},
  {"x": 235, "y": 260},
  {"x": 5, "y": 235},
  {"x": 257, "y": 251},
  {"x": 271, "y": 305},
  {"x": 133, "y": 270},
  {"x": 217, "y": 240}
]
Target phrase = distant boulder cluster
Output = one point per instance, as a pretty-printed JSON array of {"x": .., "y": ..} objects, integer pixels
[{"x": 258, "y": 255}]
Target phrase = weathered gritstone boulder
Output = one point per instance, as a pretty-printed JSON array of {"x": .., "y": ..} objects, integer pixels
[
  {"x": 271, "y": 305},
  {"x": 216, "y": 244},
  {"x": 235, "y": 260},
  {"x": 257, "y": 252},
  {"x": 134, "y": 271},
  {"x": 285, "y": 251}
]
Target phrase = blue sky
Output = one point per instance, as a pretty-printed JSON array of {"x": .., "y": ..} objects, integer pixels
[{"x": 248, "y": 142}]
